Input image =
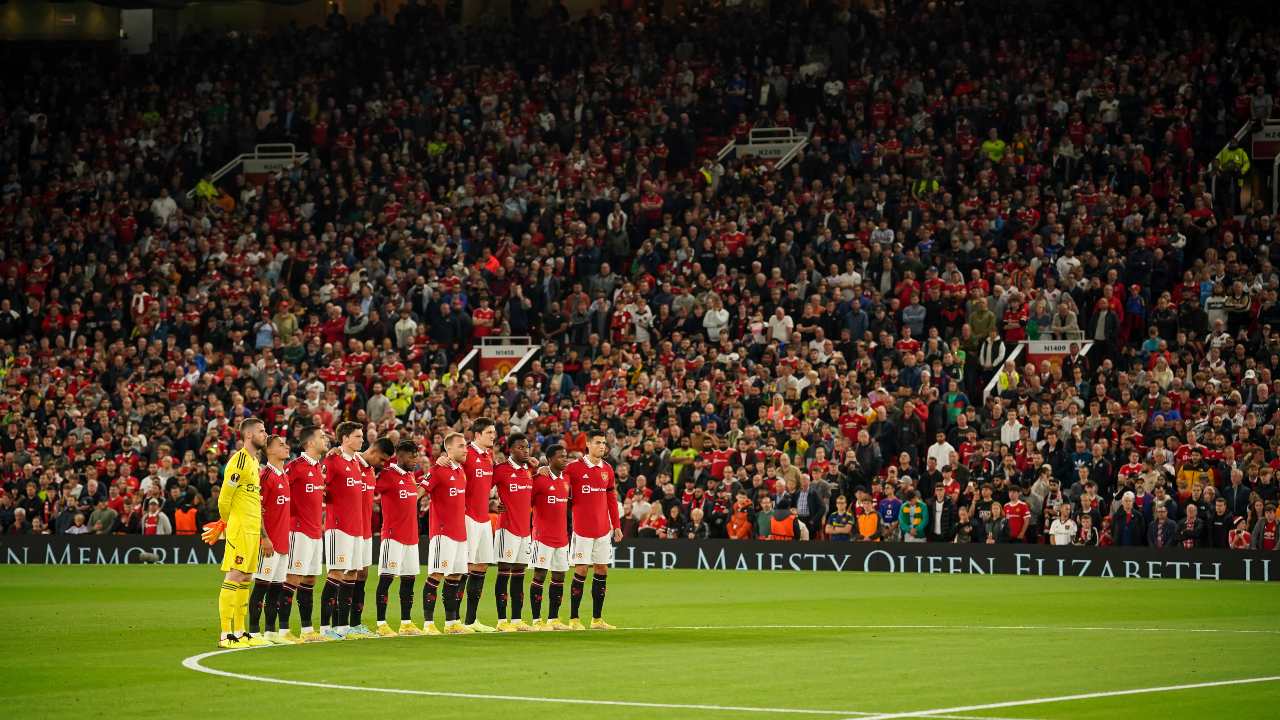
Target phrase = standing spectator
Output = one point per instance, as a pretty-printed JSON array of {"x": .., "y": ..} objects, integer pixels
[
  {"x": 155, "y": 522},
  {"x": 1163, "y": 532},
  {"x": 1087, "y": 535},
  {"x": 1191, "y": 527},
  {"x": 997, "y": 528},
  {"x": 1063, "y": 529},
  {"x": 1266, "y": 533},
  {"x": 1128, "y": 527},
  {"x": 103, "y": 519},
  {"x": 840, "y": 523},
  {"x": 913, "y": 517},
  {"x": 1217, "y": 527},
  {"x": 944, "y": 519},
  {"x": 1018, "y": 515}
]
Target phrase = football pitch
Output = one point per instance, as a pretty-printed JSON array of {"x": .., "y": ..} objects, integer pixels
[{"x": 139, "y": 641}]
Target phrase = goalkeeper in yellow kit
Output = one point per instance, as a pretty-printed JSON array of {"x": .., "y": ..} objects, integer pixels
[{"x": 240, "y": 507}]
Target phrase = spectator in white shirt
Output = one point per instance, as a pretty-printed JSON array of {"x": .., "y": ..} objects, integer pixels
[
  {"x": 940, "y": 451},
  {"x": 1009, "y": 432},
  {"x": 1063, "y": 529},
  {"x": 163, "y": 207},
  {"x": 780, "y": 326}
]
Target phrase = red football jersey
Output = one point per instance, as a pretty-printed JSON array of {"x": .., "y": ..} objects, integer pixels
[
  {"x": 595, "y": 502},
  {"x": 306, "y": 493},
  {"x": 1018, "y": 514},
  {"x": 398, "y": 496},
  {"x": 344, "y": 494},
  {"x": 550, "y": 497},
  {"x": 479, "y": 472},
  {"x": 275, "y": 506},
  {"x": 515, "y": 483},
  {"x": 447, "y": 487},
  {"x": 366, "y": 497}
]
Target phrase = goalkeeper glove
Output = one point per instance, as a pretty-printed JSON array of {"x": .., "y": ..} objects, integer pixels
[{"x": 213, "y": 531}]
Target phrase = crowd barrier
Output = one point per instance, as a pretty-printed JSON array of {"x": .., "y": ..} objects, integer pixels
[{"x": 740, "y": 555}]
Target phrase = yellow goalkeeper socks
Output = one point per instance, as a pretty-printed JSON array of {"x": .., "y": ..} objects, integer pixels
[
  {"x": 227, "y": 605},
  {"x": 242, "y": 606}
]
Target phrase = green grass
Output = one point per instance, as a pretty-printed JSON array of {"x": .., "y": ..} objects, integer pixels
[{"x": 90, "y": 642}]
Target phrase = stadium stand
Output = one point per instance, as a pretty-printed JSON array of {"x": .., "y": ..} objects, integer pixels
[{"x": 319, "y": 224}]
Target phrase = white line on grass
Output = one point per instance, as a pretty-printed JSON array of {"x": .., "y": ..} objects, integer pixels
[
  {"x": 947, "y": 627},
  {"x": 1062, "y": 698},
  {"x": 194, "y": 664}
]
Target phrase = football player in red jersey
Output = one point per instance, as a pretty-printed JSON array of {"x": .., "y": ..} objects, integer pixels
[
  {"x": 550, "y": 548},
  {"x": 447, "y": 548},
  {"x": 306, "y": 545},
  {"x": 369, "y": 462},
  {"x": 276, "y": 517},
  {"x": 344, "y": 497},
  {"x": 480, "y": 554},
  {"x": 514, "y": 480},
  {"x": 594, "y": 497},
  {"x": 398, "y": 556}
]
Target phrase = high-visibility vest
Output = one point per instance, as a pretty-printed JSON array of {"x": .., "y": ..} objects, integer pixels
[
  {"x": 185, "y": 521},
  {"x": 782, "y": 529},
  {"x": 867, "y": 524}
]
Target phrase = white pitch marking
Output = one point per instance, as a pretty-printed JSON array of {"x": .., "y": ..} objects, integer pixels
[
  {"x": 1062, "y": 698},
  {"x": 193, "y": 663},
  {"x": 947, "y": 627}
]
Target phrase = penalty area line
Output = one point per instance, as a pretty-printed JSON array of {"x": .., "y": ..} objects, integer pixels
[{"x": 193, "y": 663}]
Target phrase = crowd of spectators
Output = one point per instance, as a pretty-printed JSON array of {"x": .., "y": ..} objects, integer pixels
[{"x": 796, "y": 352}]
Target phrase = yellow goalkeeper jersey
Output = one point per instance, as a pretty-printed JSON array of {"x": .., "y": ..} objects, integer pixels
[{"x": 241, "y": 497}]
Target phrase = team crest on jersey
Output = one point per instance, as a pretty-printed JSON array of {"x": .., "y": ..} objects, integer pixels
[
  {"x": 297, "y": 564},
  {"x": 508, "y": 553},
  {"x": 542, "y": 558},
  {"x": 342, "y": 559},
  {"x": 267, "y": 571},
  {"x": 393, "y": 563},
  {"x": 239, "y": 559},
  {"x": 444, "y": 563},
  {"x": 566, "y": 487}
]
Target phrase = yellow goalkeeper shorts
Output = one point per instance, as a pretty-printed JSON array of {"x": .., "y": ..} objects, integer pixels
[{"x": 241, "y": 552}]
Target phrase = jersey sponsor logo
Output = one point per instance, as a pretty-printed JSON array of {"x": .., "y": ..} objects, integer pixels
[
  {"x": 405, "y": 494},
  {"x": 314, "y": 488},
  {"x": 454, "y": 492},
  {"x": 516, "y": 487},
  {"x": 552, "y": 500},
  {"x": 282, "y": 499},
  {"x": 352, "y": 482},
  {"x": 587, "y": 490}
]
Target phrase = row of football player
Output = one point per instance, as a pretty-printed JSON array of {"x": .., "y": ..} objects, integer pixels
[{"x": 318, "y": 507}]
